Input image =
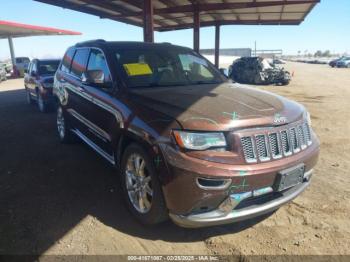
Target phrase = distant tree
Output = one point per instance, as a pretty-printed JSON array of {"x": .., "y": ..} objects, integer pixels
[
  {"x": 318, "y": 53},
  {"x": 326, "y": 53}
]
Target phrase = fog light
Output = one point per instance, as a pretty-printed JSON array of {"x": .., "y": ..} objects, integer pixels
[{"x": 213, "y": 184}]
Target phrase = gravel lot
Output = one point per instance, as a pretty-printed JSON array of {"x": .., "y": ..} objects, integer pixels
[{"x": 64, "y": 199}]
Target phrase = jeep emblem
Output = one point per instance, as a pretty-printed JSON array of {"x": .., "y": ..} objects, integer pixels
[{"x": 278, "y": 119}]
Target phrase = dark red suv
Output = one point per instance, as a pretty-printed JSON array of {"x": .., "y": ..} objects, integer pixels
[
  {"x": 187, "y": 143},
  {"x": 38, "y": 82}
]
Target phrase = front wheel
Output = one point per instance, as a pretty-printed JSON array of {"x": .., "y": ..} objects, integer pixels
[
  {"x": 141, "y": 187},
  {"x": 29, "y": 97},
  {"x": 42, "y": 105}
]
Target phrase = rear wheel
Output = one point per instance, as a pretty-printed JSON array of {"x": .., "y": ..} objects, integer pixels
[
  {"x": 64, "y": 133},
  {"x": 141, "y": 187}
]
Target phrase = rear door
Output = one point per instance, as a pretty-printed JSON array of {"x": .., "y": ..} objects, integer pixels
[{"x": 72, "y": 68}]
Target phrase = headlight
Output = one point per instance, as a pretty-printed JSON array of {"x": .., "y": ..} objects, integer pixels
[{"x": 199, "y": 141}]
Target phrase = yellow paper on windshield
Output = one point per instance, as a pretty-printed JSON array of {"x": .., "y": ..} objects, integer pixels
[{"x": 137, "y": 69}]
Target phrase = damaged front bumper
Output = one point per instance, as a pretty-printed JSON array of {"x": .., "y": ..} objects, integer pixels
[{"x": 243, "y": 206}]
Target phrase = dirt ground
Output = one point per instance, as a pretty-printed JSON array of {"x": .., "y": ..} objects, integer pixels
[{"x": 63, "y": 199}]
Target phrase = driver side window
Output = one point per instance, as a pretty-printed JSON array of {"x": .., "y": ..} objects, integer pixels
[{"x": 97, "y": 61}]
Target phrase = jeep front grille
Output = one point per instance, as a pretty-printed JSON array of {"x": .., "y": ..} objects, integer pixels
[{"x": 276, "y": 143}]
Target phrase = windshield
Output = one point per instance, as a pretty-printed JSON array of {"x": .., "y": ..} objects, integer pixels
[
  {"x": 48, "y": 67},
  {"x": 166, "y": 67}
]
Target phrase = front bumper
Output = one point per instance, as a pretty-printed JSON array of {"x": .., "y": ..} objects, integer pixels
[{"x": 230, "y": 211}]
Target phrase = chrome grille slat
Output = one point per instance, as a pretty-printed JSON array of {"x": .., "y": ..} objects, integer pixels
[
  {"x": 248, "y": 149},
  {"x": 287, "y": 150},
  {"x": 307, "y": 133},
  {"x": 261, "y": 146},
  {"x": 302, "y": 138},
  {"x": 294, "y": 140},
  {"x": 276, "y": 143}
]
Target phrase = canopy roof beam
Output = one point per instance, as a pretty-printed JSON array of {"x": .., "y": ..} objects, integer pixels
[{"x": 207, "y": 7}]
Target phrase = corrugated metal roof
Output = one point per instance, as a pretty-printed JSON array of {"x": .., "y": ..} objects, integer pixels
[
  {"x": 12, "y": 29},
  {"x": 178, "y": 14}
]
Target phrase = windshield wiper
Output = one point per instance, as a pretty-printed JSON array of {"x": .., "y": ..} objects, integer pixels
[
  {"x": 201, "y": 82},
  {"x": 160, "y": 85}
]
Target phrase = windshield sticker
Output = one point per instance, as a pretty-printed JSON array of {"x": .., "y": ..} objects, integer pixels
[{"x": 137, "y": 69}]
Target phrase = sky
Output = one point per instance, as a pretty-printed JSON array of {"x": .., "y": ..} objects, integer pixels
[{"x": 326, "y": 28}]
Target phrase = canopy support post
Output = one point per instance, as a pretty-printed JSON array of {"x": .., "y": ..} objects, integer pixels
[
  {"x": 196, "y": 28},
  {"x": 148, "y": 26},
  {"x": 12, "y": 51},
  {"x": 217, "y": 45}
]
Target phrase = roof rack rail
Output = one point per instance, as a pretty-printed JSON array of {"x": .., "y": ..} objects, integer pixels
[{"x": 95, "y": 41}]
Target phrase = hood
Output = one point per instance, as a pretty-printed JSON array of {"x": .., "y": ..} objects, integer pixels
[{"x": 218, "y": 107}]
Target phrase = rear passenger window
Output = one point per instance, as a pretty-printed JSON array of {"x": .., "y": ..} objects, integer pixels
[
  {"x": 98, "y": 61},
  {"x": 67, "y": 60},
  {"x": 79, "y": 62}
]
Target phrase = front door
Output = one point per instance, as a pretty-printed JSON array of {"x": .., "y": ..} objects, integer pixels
[{"x": 103, "y": 116}]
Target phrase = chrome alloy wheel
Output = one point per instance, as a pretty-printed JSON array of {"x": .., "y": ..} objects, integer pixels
[
  {"x": 138, "y": 183},
  {"x": 60, "y": 123}
]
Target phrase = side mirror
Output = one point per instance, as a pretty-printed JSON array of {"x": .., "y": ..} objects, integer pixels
[
  {"x": 93, "y": 77},
  {"x": 224, "y": 71}
]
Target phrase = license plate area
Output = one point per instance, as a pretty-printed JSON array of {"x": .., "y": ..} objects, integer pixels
[{"x": 290, "y": 177}]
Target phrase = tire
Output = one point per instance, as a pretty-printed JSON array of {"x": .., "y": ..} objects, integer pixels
[
  {"x": 42, "y": 105},
  {"x": 142, "y": 184},
  {"x": 29, "y": 98},
  {"x": 65, "y": 134},
  {"x": 285, "y": 82}
]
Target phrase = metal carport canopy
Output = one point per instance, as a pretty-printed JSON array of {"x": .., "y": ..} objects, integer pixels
[
  {"x": 11, "y": 30},
  {"x": 167, "y": 15}
]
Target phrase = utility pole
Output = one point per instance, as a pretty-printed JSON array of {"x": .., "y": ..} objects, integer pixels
[{"x": 255, "y": 48}]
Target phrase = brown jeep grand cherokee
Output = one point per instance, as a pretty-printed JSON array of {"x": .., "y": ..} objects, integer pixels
[{"x": 188, "y": 143}]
